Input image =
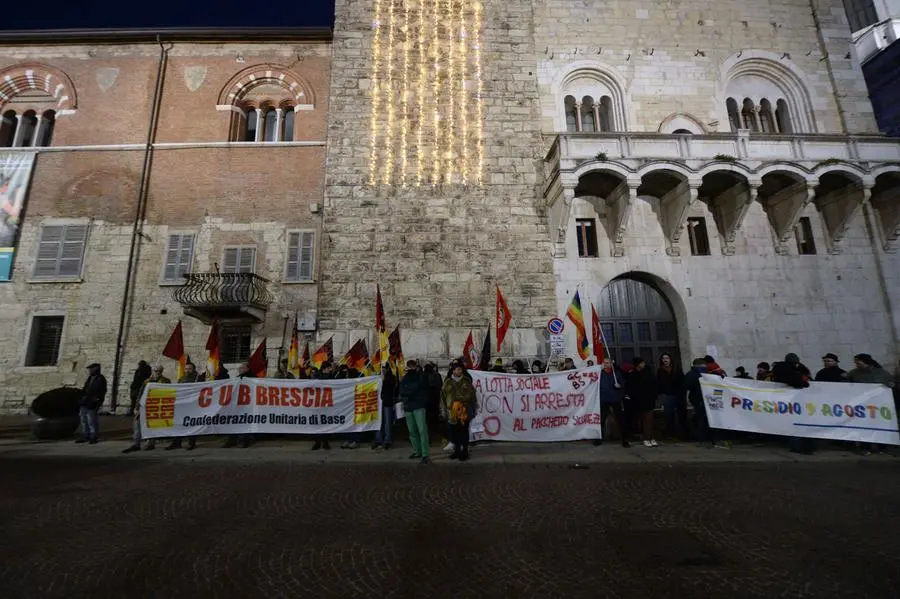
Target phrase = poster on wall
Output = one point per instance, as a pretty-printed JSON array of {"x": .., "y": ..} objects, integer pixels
[{"x": 15, "y": 174}]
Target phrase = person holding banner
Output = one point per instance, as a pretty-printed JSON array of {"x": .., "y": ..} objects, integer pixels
[
  {"x": 611, "y": 395},
  {"x": 793, "y": 373},
  {"x": 458, "y": 404},
  {"x": 869, "y": 371}
]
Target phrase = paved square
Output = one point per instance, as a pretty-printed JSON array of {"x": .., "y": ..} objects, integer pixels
[{"x": 163, "y": 530}]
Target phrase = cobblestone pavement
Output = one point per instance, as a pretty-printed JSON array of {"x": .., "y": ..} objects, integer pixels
[{"x": 163, "y": 530}]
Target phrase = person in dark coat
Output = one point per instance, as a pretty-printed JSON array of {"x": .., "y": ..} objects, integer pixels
[
  {"x": 325, "y": 373},
  {"x": 141, "y": 374},
  {"x": 670, "y": 387},
  {"x": 793, "y": 373},
  {"x": 702, "y": 429},
  {"x": 741, "y": 373},
  {"x": 242, "y": 440},
  {"x": 434, "y": 382},
  {"x": 93, "y": 394},
  {"x": 414, "y": 395},
  {"x": 611, "y": 394},
  {"x": 641, "y": 388},
  {"x": 831, "y": 373},
  {"x": 384, "y": 438}
]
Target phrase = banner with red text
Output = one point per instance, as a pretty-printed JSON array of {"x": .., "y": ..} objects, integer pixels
[
  {"x": 842, "y": 411},
  {"x": 553, "y": 406},
  {"x": 238, "y": 406}
]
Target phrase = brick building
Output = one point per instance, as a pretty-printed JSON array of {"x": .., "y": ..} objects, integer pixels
[
  {"x": 710, "y": 175},
  {"x": 148, "y": 160}
]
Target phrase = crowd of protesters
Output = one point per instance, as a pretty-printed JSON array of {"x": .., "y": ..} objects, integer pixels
[{"x": 437, "y": 406}]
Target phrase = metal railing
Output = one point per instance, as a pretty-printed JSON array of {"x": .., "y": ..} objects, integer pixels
[{"x": 224, "y": 290}]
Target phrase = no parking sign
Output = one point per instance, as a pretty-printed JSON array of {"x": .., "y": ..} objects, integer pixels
[{"x": 555, "y": 325}]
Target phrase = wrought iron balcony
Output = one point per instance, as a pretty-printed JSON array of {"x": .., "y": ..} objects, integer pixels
[{"x": 226, "y": 296}]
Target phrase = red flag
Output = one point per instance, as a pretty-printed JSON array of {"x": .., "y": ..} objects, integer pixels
[
  {"x": 304, "y": 359},
  {"x": 503, "y": 318},
  {"x": 485, "y": 362},
  {"x": 597, "y": 337},
  {"x": 213, "y": 362},
  {"x": 395, "y": 349},
  {"x": 357, "y": 357},
  {"x": 258, "y": 362},
  {"x": 174, "y": 349},
  {"x": 469, "y": 354},
  {"x": 381, "y": 336},
  {"x": 323, "y": 354}
]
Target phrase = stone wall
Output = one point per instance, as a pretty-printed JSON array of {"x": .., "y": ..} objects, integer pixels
[
  {"x": 756, "y": 305},
  {"x": 671, "y": 58},
  {"x": 224, "y": 194},
  {"x": 438, "y": 252}
]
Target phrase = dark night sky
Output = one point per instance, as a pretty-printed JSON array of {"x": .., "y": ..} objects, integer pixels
[{"x": 116, "y": 14}]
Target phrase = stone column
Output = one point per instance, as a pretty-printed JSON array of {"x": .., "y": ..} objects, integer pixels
[
  {"x": 260, "y": 125},
  {"x": 278, "y": 135},
  {"x": 41, "y": 122},
  {"x": 20, "y": 131},
  {"x": 578, "y": 126},
  {"x": 756, "y": 119},
  {"x": 597, "y": 126}
]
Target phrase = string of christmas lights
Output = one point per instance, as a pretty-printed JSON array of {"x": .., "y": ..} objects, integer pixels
[
  {"x": 391, "y": 130},
  {"x": 376, "y": 93},
  {"x": 423, "y": 93}
]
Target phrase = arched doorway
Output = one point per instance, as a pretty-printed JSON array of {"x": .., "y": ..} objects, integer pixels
[{"x": 637, "y": 320}]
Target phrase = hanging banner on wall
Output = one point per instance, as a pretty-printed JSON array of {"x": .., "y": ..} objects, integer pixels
[
  {"x": 842, "y": 411},
  {"x": 239, "y": 406},
  {"x": 554, "y": 406},
  {"x": 15, "y": 174}
]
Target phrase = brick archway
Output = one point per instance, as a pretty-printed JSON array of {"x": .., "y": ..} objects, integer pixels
[
  {"x": 238, "y": 86},
  {"x": 34, "y": 76}
]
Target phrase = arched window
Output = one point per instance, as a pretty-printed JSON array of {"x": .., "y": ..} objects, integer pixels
[
  {"x": 783, "y": 117},
  {"x": 48, "y": 121},
  {"x": 270, "y": 95},
  {"x": 748, "y": 116},
  {"x": 270, "y": 121},
  {"x": 289, "y": 116},
  {"x": 29, "y": 125},
  {"x": 590, "y": 97},
  {"x": 606, "y": 114},
  {"x": 766, "y": 118},
  {"x": 588, "y": 124},
  {"x": 571, "y": 115},
  {"x": 774, "y": 88},
  {"x": 250, "y": 130},
  {"x": 734, "y": 119},
  {"x": 682, "y": 132},
  {"x": 8, "y": 126}
]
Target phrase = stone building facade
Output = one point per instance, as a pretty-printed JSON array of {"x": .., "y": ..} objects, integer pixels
[
  {"x": 233, "y": 185},
  {"x": 710, "y": 176}
]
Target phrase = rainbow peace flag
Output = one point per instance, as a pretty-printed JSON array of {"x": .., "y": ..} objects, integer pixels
[{"x": 575, "y": 314}]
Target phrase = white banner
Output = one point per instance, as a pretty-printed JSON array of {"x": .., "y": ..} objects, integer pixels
[
  {"x": 842, "y": 411},
  {"x": 555, "y": 406},
  {"x": 237, "y": 406}
]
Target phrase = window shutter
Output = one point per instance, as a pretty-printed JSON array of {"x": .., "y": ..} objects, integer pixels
[
  {"x": 292, "y": 272},
  {"x": 306, "y": 255},
  {"x": 178, "y": 256},
  {"x": 247, "y": 259},
  {"x": 231, "y": 260},
  {"x": 48, "y": 251},
  {"x": 60, "y": 251},
  {"x": 72, "y": 251}
]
